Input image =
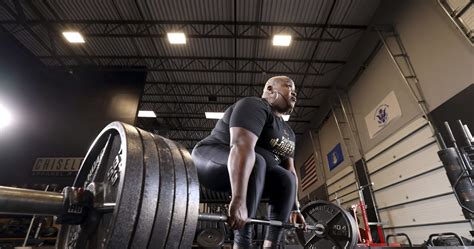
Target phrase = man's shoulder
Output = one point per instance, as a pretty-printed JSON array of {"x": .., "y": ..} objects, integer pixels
[{"x": 252, "y": 100}]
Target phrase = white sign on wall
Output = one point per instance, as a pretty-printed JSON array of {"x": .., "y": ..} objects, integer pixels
[{"x": 385, "y": 112}]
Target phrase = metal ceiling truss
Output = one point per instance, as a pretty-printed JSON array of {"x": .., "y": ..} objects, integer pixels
[
  {"x": 180, "y": 106},
  {"x": 209, "y": 64},
  {"x": 213, "y": 66},
  {"x": 199, "y": 29},
  {"x": 157, "y": 87},
  {"x": 156, "y": 103}
]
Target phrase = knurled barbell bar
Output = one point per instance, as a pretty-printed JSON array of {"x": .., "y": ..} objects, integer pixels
[{"x": 139, "y": 190}]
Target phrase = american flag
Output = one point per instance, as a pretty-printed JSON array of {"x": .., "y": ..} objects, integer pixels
[{"x": 308, "y": 172}]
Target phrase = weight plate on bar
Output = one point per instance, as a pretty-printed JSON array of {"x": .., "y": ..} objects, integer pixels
[
  {"x": 337, "y": 226},
  {"x": 113, "y": 171},
  {"x": 161, "y": 227},
  {"x": 181, "y": 196},
  {"x": 210, "y": 237},
  {"x": 193, "y": 199},
  {"x": 149, "y": 202}
]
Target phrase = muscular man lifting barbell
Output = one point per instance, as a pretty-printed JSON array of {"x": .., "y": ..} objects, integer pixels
[{"x": 250, "y": 153}]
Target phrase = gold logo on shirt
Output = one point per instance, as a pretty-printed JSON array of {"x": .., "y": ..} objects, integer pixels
[{"x": 282, "y": 147}]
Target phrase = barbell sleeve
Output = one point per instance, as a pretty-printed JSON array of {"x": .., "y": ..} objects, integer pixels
[{"x": 30, "y": 202}]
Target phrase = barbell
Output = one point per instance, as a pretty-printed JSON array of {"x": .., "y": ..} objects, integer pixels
[{"x": 139, "y": 190}]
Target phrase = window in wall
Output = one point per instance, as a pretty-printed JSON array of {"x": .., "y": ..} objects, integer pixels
[{"x": 461, "y": 13}]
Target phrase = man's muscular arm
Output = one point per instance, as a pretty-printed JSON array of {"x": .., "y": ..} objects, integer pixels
[
  {"x": 240, "y": 164},
  {"x": 296, "y": 216},
  {"x": 289, "y": 164}
]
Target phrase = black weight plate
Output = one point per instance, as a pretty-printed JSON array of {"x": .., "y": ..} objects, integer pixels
[
  {"x": 210, "y": 237},
  {"x": 181, "y": 197},
  {"x": 339, "y": 226},
  {"x": 193, "y": 199},
  {"x": 149, "y": 202},
  {"x": 114, "y": 165},
  {"x": 161, "y": 227}
]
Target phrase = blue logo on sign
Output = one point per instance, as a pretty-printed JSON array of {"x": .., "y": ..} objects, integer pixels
[{"x": 381, "y": 114}]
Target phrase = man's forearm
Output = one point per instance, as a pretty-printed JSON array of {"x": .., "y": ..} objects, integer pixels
[
  {"x": 296, "y": 206},
  {"x": 241, "y": 161}
]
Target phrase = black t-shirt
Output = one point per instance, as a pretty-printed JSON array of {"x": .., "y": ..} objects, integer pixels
[{"x": 276, "y": 140}]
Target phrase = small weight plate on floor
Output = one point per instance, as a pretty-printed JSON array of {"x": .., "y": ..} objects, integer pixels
[
  {"x": 113, "y": 171},
  {"x": 337, "y": 226},
  {"x": 210, "y": 237}
]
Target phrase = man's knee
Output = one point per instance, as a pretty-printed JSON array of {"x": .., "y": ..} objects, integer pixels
[
  {"x": 260, "y": 164},
  {"x": 289, "y": 178}
]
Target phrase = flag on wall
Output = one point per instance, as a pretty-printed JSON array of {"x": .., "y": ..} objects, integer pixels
[
  {"x": 308, "y": 173},
  {"x": 383, "y": 114},
  {"x": 335, "y": 157}
]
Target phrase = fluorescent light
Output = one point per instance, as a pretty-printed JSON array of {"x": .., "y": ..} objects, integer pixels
[
  {"x": 286, "y": 117},
  {"x": 146, "y": 114},
  {"x": 177, "y": 38},
  {"x": 5, "y": 117},
  {"x": 281, "y": 40},
  {"x": 73, "y": 37},
  {"x": 214, "y": 115}
]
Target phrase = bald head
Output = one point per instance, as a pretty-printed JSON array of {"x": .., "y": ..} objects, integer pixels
[{"x": 277, "y": 80}]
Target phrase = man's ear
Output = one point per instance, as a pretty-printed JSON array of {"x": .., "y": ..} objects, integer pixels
[{"x": 270, "y": 88}]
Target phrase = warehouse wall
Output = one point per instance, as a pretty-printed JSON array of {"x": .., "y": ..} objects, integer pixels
[
  {"x": 305, "y": 149},
  {"x": 411, "y": 188},
  {"x": 56, "y": 114}
]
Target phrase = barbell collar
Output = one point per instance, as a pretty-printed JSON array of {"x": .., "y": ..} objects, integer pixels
[{"x": 30, "y": 202}]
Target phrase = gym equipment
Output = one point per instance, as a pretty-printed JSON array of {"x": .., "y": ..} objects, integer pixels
[
  {"x": 210, "y": 237},
  {"x": 458, "y": 163},
  {"x": 335, "y": 227},
  {"x": 139, "y": 190}
]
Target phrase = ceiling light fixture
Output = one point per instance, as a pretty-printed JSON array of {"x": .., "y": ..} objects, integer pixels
[
  {"x": 73, "y": 37},
  {"x": 177, "y": 38},
  {"x": 5, "y": 117},
  {"x": 146, "y": 114},
  {"x": 286, "y": 117},
  {"x": 281, "y": 40},
  {"x": 214, "y": 115}
]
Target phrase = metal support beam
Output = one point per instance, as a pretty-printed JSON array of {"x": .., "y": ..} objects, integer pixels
[
  {"x": 197, "y": 29},
  {"x": 181, "y": 70},
  {"x": 191, "y": 22},
  {"x": 151, "y": 97},
  {"x": 158, "y": 83},
  {"x": 215, "y": 58},
  {"x": 210, "y": 103},
  {"x": 187, "y": 117}
]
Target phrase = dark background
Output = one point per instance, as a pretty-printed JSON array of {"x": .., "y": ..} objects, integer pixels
[
  {"x": 56, "y": 113},
  {"x": 460, "y": 106}
]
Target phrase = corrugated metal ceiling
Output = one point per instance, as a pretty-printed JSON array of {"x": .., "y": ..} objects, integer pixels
[{"x": 228, "y": 55}]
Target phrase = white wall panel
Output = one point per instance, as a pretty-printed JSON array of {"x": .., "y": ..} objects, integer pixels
[
  {"x": 400, "y": 134},
  {"x": 440, "y": 209},
  {"x": 427, "y": 185},
  {"x": 347, "y": 205},
  {"x": 342, "y": 183},
  {"x": 402, "y": 148},
  {"x": 329, "y": 137},
  {"x": 349, "y": 197},
  {"x": 343, "y": 194},
  {"x": 424, "y": 160},
  {"x": 339, "y": 175}
]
